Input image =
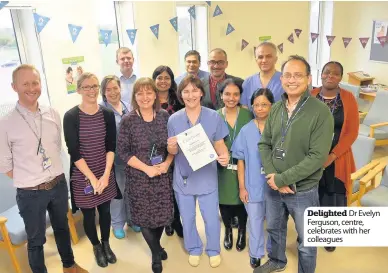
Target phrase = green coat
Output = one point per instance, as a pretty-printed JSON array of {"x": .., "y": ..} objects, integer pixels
[{"x": 228, "y": 190}]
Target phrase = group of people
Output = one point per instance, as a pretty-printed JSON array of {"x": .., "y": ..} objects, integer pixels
[{"x": 281, "y": 148}]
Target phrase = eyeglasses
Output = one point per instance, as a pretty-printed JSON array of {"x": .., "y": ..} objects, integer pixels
[
  {"x": 297, "y": 76},
  {"x": 88, "y": 87},
  {"x": 213, "y": 63},
  {"x": 262, "y": 105}
]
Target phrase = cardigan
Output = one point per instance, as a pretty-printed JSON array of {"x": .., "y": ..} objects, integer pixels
[
  {"x": 344, "y": 163},
  {"x": 71, "y": 132}
]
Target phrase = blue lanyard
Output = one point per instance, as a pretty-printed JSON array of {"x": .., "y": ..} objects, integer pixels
[
  {"x": 290, "y": 120},
  {"x": 235, "y": 125}
]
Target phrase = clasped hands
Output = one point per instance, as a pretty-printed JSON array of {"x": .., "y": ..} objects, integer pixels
[{"x": 271, "y": 183}]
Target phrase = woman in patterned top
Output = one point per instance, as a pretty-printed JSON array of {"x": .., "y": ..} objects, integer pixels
[{"x": 165, "y": 83}]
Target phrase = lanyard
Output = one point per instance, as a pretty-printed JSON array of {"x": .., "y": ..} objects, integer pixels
[
  {"x": 152, "y": 136},
  {"x": 290, "y": 120},
  {"x": 332, "y": 108},
  {"x": 39, "y": 138},
  {"x": 235, "y": 125}
]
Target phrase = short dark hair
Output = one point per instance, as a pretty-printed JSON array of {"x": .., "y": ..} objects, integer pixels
[
  {"x": 231, "y": 81},
  {"x": 336, "y": 63},
  {"x": 173, "y": 88},
  {"x": 301, "y": 59},
  {"x": 194, "y": 80},
  {"x": 263, "y": 92},
  {"x": 193, "y": 53}
]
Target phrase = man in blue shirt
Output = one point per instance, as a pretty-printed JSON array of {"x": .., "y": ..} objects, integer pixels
[
  {"x": 192, "y": 62},
  {"x": 124, "y": 58}
]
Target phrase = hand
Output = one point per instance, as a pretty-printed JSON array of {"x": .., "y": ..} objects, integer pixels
[
  {"x": 286, "y": 189},
  {"x": 102, "y": 183},
  {"x": 94, "y": 181},
  {"x": 271, "y": 181},
  {"x": 172, "y": 142},
  {"x": 163, "y": 167},
  {"x": 223, "y": 159},
  {"x": 244, "y": 195},
  {"x": 330, "y": 159},
  {"x": 152, "y": 171}
]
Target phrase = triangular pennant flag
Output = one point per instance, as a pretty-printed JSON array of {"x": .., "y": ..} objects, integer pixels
[
  {"x": 3, "y": 4},
  {"x": 346, "y": 41},
  {"x": 244, "y": 44},
  {"x": 330, "y": 39},
  {"x": 364, "y": 41},
  {"x": 132, "y": 35},
  {"x": 174, "y": 23},
  {"x": 155, "y": 30},
  {"x": 209, "y": 3},
  {"x": 280, "y": 47},
  {"x": 314, "y": 36},
  {"x": 229, "y": 29},
  {"x": 192, "y": 11},
  {"x": 74, "y": 31},
  {"x": 40, "y": 21},
  {"x": 291, "y": 38},
  {"x": 106, "y": 36},
  {"x": 217, "y": 11},
  {"x": 297, "y": 32},
  {"x": 382, "y": 40}
]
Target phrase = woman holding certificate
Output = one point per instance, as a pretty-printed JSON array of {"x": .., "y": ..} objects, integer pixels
[
  {"x": 201, "y": 184},
  {"x": 251, "y": 177},
  {"x": 142, "y": 143},
  {"x": 230, "y": 204}
]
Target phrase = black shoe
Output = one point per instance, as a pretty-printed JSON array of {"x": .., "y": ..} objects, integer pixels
[
  {"x": 241, "y": 239},
  {"x": 163, "y": 255},
  {"x": 268, "y": 267},
  {"x": 228, "y": 239},
  {"x": 234, "y": 222},
  {"x": 169, "y": 230},
  {"x": 330, "y": 248},
  {"x": 157, "y": 267},
  {"x": 255, "y": 262},
  {"x": 99, "y": 254},
  {"x": 110, "y": 256}
]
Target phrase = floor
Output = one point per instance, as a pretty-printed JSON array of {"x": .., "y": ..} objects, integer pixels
[{"x": 134, "y": 256}]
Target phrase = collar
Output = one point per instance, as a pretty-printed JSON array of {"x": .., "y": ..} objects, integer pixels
[
  {"x": 124, "y": 108},
  {"x": 122, "y": 77},
  {"x": 25, "y": 111},
  {"x": 215, "y": 80},
  {"x": 302, "y": 98}
]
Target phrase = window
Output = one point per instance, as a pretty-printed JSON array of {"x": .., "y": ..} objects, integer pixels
[
  {"x": 193, "y": 33},
  {"x": 106, "y": 15}
]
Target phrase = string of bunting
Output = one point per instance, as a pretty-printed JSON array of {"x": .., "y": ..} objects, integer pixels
[{"x": 106, "y": 34}]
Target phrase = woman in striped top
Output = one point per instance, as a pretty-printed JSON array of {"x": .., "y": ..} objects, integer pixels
[{"x": 90, "y": 135}]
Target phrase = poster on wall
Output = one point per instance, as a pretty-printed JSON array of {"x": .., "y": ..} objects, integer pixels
[
  {"x": 73, "y": 68},
  {"x": 378, "y": 48},
  {"x": 380, "y": 30}
]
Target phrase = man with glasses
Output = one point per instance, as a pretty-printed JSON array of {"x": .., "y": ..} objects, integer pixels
[
  {"x": 192, "y": 63},
  {"x": 30, "y": 148},
  {"x": 218, "y": 62},
  {"x": 268, "y": 77},
  {"x": 293, "y": 148}
]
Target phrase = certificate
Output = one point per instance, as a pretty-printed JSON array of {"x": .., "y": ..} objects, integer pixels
[{"x": 196, "y": 147}]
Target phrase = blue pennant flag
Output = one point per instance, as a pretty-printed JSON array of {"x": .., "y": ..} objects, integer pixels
[
  {"x": 40, "y": 21},
  {"x": 74, "y": 31},
  {"x": 106, "y": 36},
  {"x": 209, "y": 3},
  {"x": 174, "y": 23},
  {"x": 3, "y": 4},
  {"x": 229, "y": 29},
  {"x": 192, "y": 12},
  {"x": 217, "y": 11},
  {"x": 155, "y": 30},
  {"x": 132, "y": 35}
]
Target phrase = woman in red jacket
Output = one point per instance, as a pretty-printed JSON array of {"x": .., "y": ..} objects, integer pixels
[{"x": 335, "y": 182}]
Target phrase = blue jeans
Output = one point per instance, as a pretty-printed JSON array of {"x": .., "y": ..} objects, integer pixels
[
  {"x": 278, "y": 207},
  {"x": 33, "y": 205}
]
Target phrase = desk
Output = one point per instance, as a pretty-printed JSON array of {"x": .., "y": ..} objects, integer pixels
[{"x": 368, "y": 96}]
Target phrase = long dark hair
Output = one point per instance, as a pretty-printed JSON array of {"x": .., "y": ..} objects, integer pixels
[{"x": 172, "y": 91}]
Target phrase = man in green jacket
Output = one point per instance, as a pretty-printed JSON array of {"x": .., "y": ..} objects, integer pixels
[{"x": 293, "y": 148}]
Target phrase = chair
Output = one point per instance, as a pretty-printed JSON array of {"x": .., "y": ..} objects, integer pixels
[
  {"x": 363, "y": 105},
  {"x": 362, "y": 150},
  {"x": 370, "y": 195},
  {"x": 375, "y": 123},
  {"x": 12, "y": 229}
]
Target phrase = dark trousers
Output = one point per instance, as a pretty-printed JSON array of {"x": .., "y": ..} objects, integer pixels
[
  {"x": 152, "y": 237},
  {"x": 230, "y": 211},
  {"x": 33, "y": 205},
  {"x": 90, "y": 223},
  {"x": 177, "y": 216}
]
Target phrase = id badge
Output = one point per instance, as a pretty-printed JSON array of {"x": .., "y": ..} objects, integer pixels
[
  {"x": 88, "y": 189},
  {"x": 232, "y": 167},
  {"x": 46, "y": 163},
  {"x": 155, "y": 160},
  {"x": 280, "y": 153},
  {"x": 262, "y": 170}
]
